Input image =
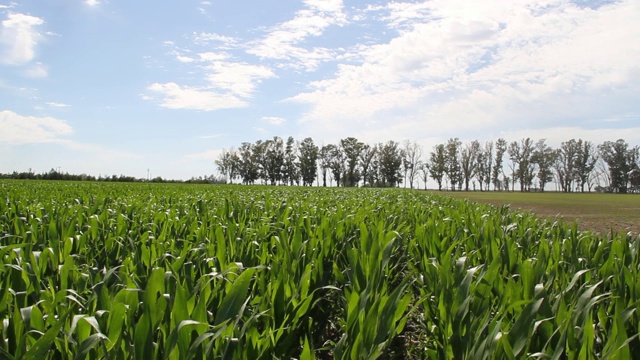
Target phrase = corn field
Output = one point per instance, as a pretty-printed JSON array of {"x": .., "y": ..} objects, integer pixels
[{"x": 144, "y": 271}]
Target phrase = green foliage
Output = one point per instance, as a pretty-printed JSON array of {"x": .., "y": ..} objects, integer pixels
[{"x": 161, "y": 271}]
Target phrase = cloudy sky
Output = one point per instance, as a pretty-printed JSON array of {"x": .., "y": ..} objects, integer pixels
[{"x": 119, "y": 87}]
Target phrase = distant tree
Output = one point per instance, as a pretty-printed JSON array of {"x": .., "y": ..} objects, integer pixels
[
  {"x": 565, "y": 163},
  {"x": 424, "y": 173},
  {"x": 484, "y": 162},
  {"x": 259, "y": 156},
  {"x": 602, "y": 176},
  {"x": 390, "y": 157},
  {"x": 308, "y": 161},
  {"x": 223, "y": 165},
  {"x": 469, "y": 162},
  {"x": 544, "y": 157},
  {"x": 324, "y": 155},
  {"x": 505, "y": 182},
  {"x": 272, "y": 159},
  {"x": 336, "y": 163},
  {"x": 514, "y": 175},
  {"x": 228, "y": 164},
  {"x": 373, "y": 174},
  {"x": 585, "y": 163},
  {"x": 520, "y": 156},
  {"x": 452, "y": 167},
  {"x": 438, "y": 164},
  {"x": 248, "y": 168},
  {"x": 366, "y": 156},
  {"x": 290, "y": 170},
  {"x": 411, "y": 161},
  {"x": 351, "y": 148},
  {"x": 621, "y": 161},
  {"x": 501, "y": 148}
]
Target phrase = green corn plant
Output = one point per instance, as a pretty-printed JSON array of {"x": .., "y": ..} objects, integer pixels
[{"x": 168, "y": 271}]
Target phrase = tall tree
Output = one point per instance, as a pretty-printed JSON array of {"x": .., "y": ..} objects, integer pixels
[
  {"x": 274, "y": 160},
  {"x": 621, "y": 160},
  {"x": 565, "y": 164},
  {"x": 367, "y": 155},
  {"x": 248, "y": 169},
  {"x": 501, "y": 148},
  {"x": 290, "y": 173},
  {"x": 520, "y": 156},
  {"x": 324, "y": 156},
  {"x": 390, "y": 156},
  {"x": 259, "y": 157},
  {"x": 469, "y": 161},
  {"x": 308, "y": 161},
  {"x": 228, "y": 163},
  {"x": 602, "y": 174},
  {"x": 336, "y": 163},
  {"x": 438, "y": 164},
  {"x": 586, "y": 159},
  {"x": 374, "y": 167},
  {"x": 544, "y": 157},
  {"x": 424, "y": 173},
  {"x": 484, "y": 163},
  {"x": 351, "y": 148},
  {"x": 411, "y": 161},
  {"x": 452, "y": 167}
]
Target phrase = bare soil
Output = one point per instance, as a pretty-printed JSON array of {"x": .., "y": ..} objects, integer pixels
[{"x": 601, "y": 213}]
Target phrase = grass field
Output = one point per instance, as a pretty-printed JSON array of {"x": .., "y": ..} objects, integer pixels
[{"x": 597, "y": 212}]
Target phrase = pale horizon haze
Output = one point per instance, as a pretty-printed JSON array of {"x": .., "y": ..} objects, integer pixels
[{"x": 108, "y": 87}]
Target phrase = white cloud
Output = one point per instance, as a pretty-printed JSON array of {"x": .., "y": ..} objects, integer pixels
[
  {"x": 211, "y": 56},
  {"x": 274, "y": 120},
  {"x": 462, "y": 66},
  {"x": 201, "y": 57},
  {"x": 283, "y": 41},
  {"x": 92, "y": 2},
  {"x": 57, "y": 104},
  {"x": 206, "y": 38},
  {"x": 238, "y": 78},
  {"x": 19, "y": 38},
  {"x": 403, "y": 14},
  {"x": 18, "y": 129},
  {"x": 183, "y": 97},
  {"x": 185, "y": 59},
  {"x": 227, "y": 83}
]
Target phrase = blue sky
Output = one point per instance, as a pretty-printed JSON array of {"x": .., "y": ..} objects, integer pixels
[{"x": 119, "y": 87}]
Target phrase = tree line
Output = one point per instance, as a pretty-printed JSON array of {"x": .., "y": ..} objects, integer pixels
[
  {"x": 54, "y": 174},
  {"x": 577, "y": 165}
]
